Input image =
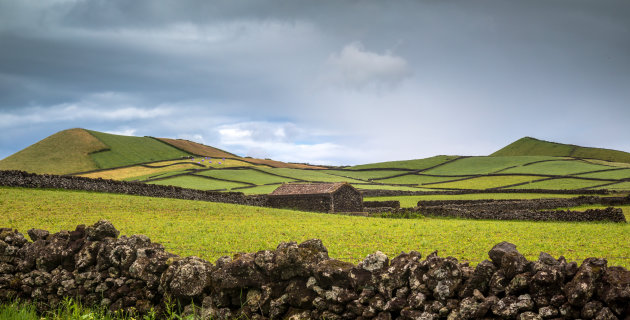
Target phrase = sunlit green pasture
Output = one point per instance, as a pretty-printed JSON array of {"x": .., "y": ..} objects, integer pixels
[
  {"x": 365, "y": 175},
  {"x": 308, "y": 175},
  {"x": 416, "y": 179},
  {"x": 613, "y": 174},
  {"x": 486, "y": 182},
  {"x": 210, "y": 230},
  {"x": 243, "y": 175},
  {"x": 196, "y": 182},
  {"x": 562, "y": 184},
  {"x": 417, "y": 164},
  {"x": 127, "y": 150},
  {"x": 483, "y": 165},
  {"x": 562, "y": 167}
]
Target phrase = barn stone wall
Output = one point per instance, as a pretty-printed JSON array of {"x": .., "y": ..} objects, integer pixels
[
  {"x": 316, "y": 202},
  {"x": 300, "y": 281},
  {"x": 347, "y": 199},
  {"x": 392, "y": 193}
]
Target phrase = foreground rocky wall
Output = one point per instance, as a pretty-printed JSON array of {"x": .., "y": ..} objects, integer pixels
[
  {"x": 300, "y": 281},
  {"x": 14, "y": 178}
]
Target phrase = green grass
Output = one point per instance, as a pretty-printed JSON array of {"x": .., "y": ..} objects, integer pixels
[
  {"x": 386, "y": 187},
  {"x": 249, "y": 176},
  {"x": 412, "y": 201},
  {"x": 61, "y": 153},
  {"x": 308, "y": 175},
  {"x": 365, "y": 175},
  {"x": 561, "y": 184},
  {"x": 622, "y": 186},
  {"x": 482, "y": 165},
  {"x": 614, "y": 175},
  {"x": 127, "y": 150},
  {"x": 481, "y": 183},
  {"x": 561, "y": 167},
  {"x": 417, "y": 164},
  {"x": 211, "y": 230},
  {"x": 534, "y": 147},
  {"x": 416, "y": 179},
  {"x": 195, "y": 182},
  {"x": 70, "y": 309}
]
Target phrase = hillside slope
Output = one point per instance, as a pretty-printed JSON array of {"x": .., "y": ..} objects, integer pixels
[
  {"x": 63, "y": 152},
  {"x": 529, "y": 146}
]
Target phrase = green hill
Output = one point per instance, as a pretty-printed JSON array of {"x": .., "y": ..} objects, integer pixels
[
  {"x": 533, "y": 147},
  {"x": 64, "y": 152}
]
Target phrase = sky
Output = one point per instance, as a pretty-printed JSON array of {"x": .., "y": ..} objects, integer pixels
[{"x": 323, "y": 82}]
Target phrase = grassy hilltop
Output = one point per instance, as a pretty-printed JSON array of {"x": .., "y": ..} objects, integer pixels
[{"x": 529, "y": 146}]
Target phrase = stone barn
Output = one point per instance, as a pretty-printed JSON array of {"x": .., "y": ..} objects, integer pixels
[{"x": 319, "y": 197}]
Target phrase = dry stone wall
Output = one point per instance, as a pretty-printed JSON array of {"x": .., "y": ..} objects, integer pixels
[
  {"x": 391, "y": 193},
  {"x": 300, "y": 281},
  {"x": 23, "y": 179}
]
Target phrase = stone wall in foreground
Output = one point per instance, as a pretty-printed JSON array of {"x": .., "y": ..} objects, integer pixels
[{"x": 300, "y": 281}]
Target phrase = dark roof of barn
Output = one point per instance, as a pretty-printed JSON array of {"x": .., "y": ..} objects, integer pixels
[{"x": 308, "y": 188}]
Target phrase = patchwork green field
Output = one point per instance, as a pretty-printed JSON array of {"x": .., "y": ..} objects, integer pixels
[
  {"x": 127, "y": 150},
  {"x": 197, "y": 182},
  {"x": 211, "y": 230},
  {"x": 526, "y": 164},
  {"x": 418, "y": 164}
]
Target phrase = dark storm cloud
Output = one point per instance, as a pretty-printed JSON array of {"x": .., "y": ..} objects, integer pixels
[{"x": 461, "y": 77}]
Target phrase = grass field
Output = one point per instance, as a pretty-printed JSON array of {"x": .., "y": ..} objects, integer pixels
[
  {"x": 211, "y": 230},
  {"x": 483, "y": 165},
  {"x": 622, "y": 186},
  {"x": 127, "y": 150},
  {"x": 484, "y": 182},
  {"x": 308, "y": 175},
  {"x": 196, "y": 182},
  {"x": 249, "y": 176},
  {"x": 64, "y": 152},
  {"x": 614, "y": 174},
  {"x": 417, "y": 164},
  {"x": 364, "y": 175},
  {"x": 562, "y": 167},
  {"x": 559, "y": 184},
  {"x": 416, "y": 179}
]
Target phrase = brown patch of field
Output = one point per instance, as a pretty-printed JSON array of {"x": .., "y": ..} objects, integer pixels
[
  {"x": 64, "y": 152},
  {"x": 280, "y": 164},
  {"x": 197, "y": 148}
]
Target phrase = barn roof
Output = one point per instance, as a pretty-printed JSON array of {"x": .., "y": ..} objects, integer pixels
[{"x": 307, "y": 188}]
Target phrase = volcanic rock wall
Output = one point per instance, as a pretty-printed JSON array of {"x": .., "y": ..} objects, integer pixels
[
  {"x": 23, "y": 179},
  {"x": 391, "y": 193},
  {"x": 535, "y": 210},
  {"x": 300, "y": 281}
]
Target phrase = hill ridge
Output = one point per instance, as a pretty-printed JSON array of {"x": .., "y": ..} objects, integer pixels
[{"x": 529, "y": 146}]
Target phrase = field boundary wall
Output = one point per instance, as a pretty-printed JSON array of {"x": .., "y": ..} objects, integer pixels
[{"x": 300, "y": 281}]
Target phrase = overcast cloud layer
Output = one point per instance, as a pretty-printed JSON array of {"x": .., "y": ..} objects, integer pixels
[{"x": 330, "y": 82}]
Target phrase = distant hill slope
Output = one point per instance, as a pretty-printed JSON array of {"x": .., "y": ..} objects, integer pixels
[
  {"x": 64, "y": 152},
  {"x": 80, "y": 150},
  {"x": 129, "y": 150},
  {"x": 533, "y": 147}
]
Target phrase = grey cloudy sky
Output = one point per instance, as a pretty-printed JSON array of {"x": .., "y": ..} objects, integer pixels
[{"x": 331, "y": 82}]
